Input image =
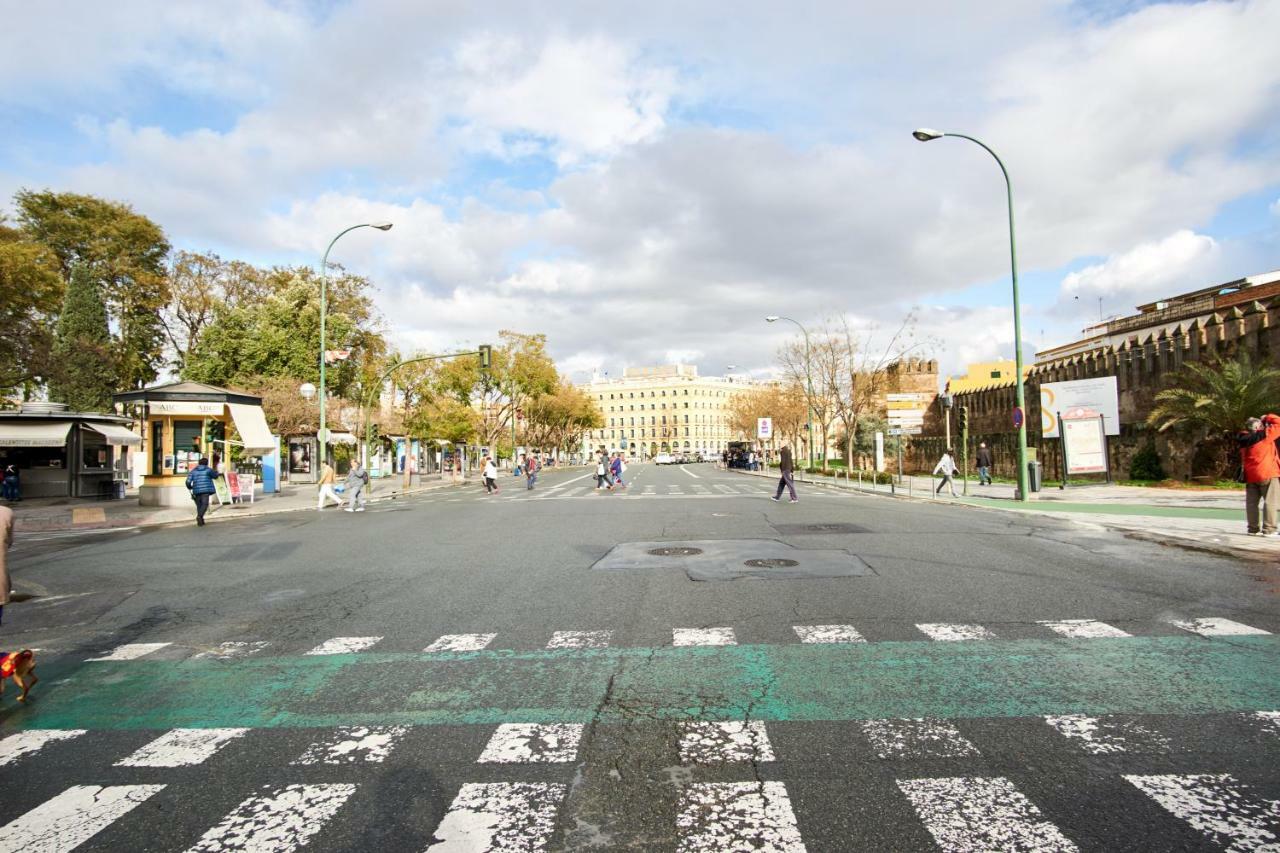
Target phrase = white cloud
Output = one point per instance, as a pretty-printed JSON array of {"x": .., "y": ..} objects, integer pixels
[{"x": 1163, "y": 267}]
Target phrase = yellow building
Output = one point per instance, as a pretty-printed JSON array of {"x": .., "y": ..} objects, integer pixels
[
  {"x": 652, "y": 410},
  {"x": 984, "y": 374}
]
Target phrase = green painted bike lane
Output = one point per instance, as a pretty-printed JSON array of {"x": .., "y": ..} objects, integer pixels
[{"x": 799, "y": 682}]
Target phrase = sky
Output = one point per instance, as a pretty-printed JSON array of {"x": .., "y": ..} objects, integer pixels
[{"x": 644, "y": 183}]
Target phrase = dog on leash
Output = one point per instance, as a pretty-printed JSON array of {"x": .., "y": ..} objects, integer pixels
[{"x": 21, "y": 666}]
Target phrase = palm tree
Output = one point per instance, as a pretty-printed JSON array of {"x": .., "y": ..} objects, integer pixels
[{"x": 1214, "y": 399}]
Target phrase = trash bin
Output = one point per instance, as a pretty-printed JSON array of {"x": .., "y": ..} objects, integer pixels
[
  {"x": 119, "y": 489},
  {"x": 1033, "y": 475}
]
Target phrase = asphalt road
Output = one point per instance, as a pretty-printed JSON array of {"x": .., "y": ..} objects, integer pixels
[{"x": 458, "y": 671}]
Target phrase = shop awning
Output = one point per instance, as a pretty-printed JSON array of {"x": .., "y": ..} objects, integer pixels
[
  {"x": 341, "y": 438},
  {"x": 43, "y": 434},
  {"x": 116, "y": 434},
  {"x": 252, "y": 426}
]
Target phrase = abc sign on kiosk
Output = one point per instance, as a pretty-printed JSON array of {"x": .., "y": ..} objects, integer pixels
[{"x": 764, "y": 427}]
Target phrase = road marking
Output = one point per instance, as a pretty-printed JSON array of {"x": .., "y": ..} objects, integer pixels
[
  {"x": 31, "y": 741},
  {"x": 966, "y": 814},
  {"x": 717, "y": 816},
  {"x": 580, "y": 640},
  {"x": 705, "y": 742},
  {"x": 1219, "y": 806},
  {"x": 345, "y": 645},
  {"x": 353, "y": 745},
  {"x": 1103, "y": 736},
  {"x": 461, "y": 643},
  {"x": 532, "y": 743},
  {"x": 700, "y": 489},
  {"x": 1269, "y": 719},
  {"x": 512, "y": 817},
  {"x": 703, "y": 637},
  {"x": 181, "y": 748},
  {"x": 233, "y": 649},
  {"x": 73, "y": 817},
  {"x": 1083, "y": 629},
  {"x": 690, "y": 473},
  {"x": 945, "y": 632},
  {"x": 920, "y": 737},
  {"x": 564, "y": 483},
  {"x": 278, "y": 821},
  {"x": 828, "y": 634},
  {"x": 131, "y": 651},
  {"x": 728, "y": 490},
  {"x": 1215, "y": 627}
]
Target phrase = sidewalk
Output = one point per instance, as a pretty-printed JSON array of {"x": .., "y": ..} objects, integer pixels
[
  {"x": 1210, "y": 520},
  {"x": 60, "y": 514}
]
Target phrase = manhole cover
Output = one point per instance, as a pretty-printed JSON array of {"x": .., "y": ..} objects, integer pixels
[
  {"x": 675, "y": 552},
  {"x": 776, "y": 563}
]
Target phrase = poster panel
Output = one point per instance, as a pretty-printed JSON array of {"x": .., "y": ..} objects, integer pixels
[
  {"x": 1086, "y": 445},
  {"x": 1100, "y": 395}
]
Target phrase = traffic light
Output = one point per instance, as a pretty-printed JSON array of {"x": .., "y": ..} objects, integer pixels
[
  {"x": 486, "y": 356},
  {"x": 964, "y": 418}
]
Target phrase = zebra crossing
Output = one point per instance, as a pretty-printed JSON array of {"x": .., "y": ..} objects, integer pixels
[
  {"x": 959, "y": 810},
  {"x": 1078, "y": 629}
]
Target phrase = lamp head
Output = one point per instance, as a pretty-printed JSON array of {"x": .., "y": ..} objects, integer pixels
[
  {"x": 307, "y": 390},
  {"x": 772, "y": 318},
  {"x": 927, "y": 134},
  {"x": 381, "y": 226}
]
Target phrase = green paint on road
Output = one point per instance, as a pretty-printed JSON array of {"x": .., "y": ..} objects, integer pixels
[{"x": 1138, "y": 675}]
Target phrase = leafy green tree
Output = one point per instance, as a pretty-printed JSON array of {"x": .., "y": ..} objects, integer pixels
[
  {"x": 521, "y": 371},
  {"x": 127, "y": 252},
  {"x": 1210, "y": 401},
  {"x": 31, "y": 294},
  {"x": 83, "y": 366}
]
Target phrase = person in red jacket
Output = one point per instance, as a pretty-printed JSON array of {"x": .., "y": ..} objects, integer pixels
[{"x": 1261, "y": 472}]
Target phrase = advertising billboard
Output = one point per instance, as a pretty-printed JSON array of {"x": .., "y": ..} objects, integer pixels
[{"x": 1100, "y": 395}]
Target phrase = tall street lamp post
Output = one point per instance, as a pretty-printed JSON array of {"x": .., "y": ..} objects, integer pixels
[
  {"x": 323, "y": 433},
  {"x": 925, "y": 134},
  {"x": 808, "y": 378}
]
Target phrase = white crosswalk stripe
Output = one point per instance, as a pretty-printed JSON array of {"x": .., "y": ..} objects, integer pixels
[
  {"x": 354, "y": 745},
  {"x": 533, "y": 743},
  {"x": 1083, "y": 629},
  {"x": 131, "y": 651},
  {"x": 181, "y": 748},
  {"x": 719, "y": 816},
  {"x": 1103, "y": 736},
  {"x": 580, "y": 640},
  {"x": 1215, "y": 627},
  {"x": 512, "y": 817},
  {"x": 703, "y": 637},
  {"x": 26, "y": 743},
  {"x": 72, "y": 818},
  {"x": 461, "y": 643},
  {"x": 705, "y": 742},
  {"x": 916, "y": 738},
  {"x": 233, "y": 649},
  {"x": 277, "y": 821},
  {"x": 1217, "y": 805},
  {"x": 345, "y": 645},
  {"x": 945, "y": 632},
  {"x": 966, "y": 814},
  {"x": 828, "y": 634}
]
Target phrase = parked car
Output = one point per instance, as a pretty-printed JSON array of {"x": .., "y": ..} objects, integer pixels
[{"x": 664, "y": 459}]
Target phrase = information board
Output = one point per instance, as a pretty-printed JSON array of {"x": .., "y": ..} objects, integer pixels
[
  {"x": 764, "y": 428},
  {"x": 1084, "y": 445}
]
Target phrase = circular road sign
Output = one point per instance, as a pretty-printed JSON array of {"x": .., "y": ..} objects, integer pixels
[
  {"x": 323, "y": 436},
  {"x": 1017, "y": 418}
]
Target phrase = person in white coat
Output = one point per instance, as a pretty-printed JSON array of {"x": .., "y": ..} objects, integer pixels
[
  {"x": 947, "y": 468},
  {"x": 490, "y": 474}
]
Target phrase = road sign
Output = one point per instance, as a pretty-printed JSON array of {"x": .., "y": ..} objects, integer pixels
[
  {"x": 323, "y": 436},
  {"x": 906, "y": 430},
  {"x": 1017, "y": 418},
  {"x": 764, "y": 428},
  {"x": 913, "y": 398}
]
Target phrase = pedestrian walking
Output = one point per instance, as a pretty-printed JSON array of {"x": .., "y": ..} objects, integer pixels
[
  {"x": 602, "y": 473},
  {"x": 200, "y": 484},
  {"x": 325, "y": 486},
  {"x": 983, "y": 458},
  {"x": 531, "y": 469},
  {"x": 617, "y": 467},
  {"x": 357, "y": 480},
  {"x": 490, "y": 474},
  {"x": 788, "y": 479},
  {"x": 1258, "y": 456},
  {"x": 12, "y": 483},
  {"x": 947, "y": 468},
  {"x": 6, "y": 539}
]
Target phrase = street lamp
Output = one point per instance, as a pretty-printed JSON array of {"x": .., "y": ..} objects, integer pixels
[
  {"x": 808, "y": 378},
  {"x": 926, "y": 134},
  {"x": 323, "y": 433}
]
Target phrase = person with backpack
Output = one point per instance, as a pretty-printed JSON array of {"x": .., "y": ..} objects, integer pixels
[
  {"x": 1261, "y": 462},
  {"x": 357, "y": 479},
  {"x": 616, "y": 468},
  {"x": 947, "y": 468},
  {"x": 531, "y": 468},
  {"x": 200, "y": 485}
]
